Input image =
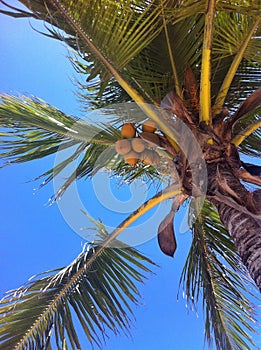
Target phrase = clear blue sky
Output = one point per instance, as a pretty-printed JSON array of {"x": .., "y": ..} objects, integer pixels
[{"x": 34, "y": 236}]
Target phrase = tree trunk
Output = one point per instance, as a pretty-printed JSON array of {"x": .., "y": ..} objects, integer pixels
[
  {"x": 239, "y": 211},
  {"x": 246, "y": 234}
]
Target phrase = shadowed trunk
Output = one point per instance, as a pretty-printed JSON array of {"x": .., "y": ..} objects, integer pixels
[{"x": 239, "y": 211}]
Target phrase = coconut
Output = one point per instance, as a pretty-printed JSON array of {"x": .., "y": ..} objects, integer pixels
[
  {"x": 137, "y": 145},
  {"x": 149, "y": 126},
  {"x": 150, "y": 157},
  {"x": 128, "y": 131},
  {"x": 123, "y": 146},
  {"x": 131, "y": 158}
]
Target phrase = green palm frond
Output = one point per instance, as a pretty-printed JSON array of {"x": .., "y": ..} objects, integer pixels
[
  {"x": 119, "y": 30},
  {"x": 96, "y": 291},
  {"x": 235, "y": 39},
  {"x": 240, "y": 6},
  {"x": 213, "y": 272},
  {"x": 246, "y": 81},
  {"x": 231, "y": 30},
  {"x": 251, "y": 146},
  {"x": 137, "y": 44},
  {"x": 152, "y": 69},
  {"x": 32, "y": 129},
  {"x": 147, "y": 174}
]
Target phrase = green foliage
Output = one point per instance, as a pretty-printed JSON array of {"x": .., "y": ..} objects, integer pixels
[
  {"x": 137, "y": 45},
  {"x": 213, "y": 272},
  {"x": 96, "y": 288},
  {"x": 32, "y": 129}
]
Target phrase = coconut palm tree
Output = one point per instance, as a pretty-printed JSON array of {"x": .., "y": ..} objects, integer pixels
[{"x": 192, "y": 68}]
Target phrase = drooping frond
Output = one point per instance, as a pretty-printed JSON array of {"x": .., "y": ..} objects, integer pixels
[
  {"x": 32, "y": 129},
  {"x": 214, "y": 273},
  {"x": 98, "y": 292},
  {"x": 96, "y": 286}
]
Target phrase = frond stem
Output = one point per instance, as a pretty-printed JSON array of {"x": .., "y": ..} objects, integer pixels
[{"x": 205, "y": 87}]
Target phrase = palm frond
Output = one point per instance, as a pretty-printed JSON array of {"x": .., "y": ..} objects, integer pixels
[
  {"x": 32, "y": 129},
  {"x": 98, "y": 292},
  {"x": 213, "y": 269},
  {"x": 251, "y": 145},
  {"x": 234, "y": 36},
  {"x": 118, "y": 30},
  {"x": 246, "y": 81},
  {"x": 152, "y": 69},
  {"x": 231, "y": 31},
  {"x": 241, "y": 6}
]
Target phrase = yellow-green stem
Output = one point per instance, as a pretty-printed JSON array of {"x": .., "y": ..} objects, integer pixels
[
  {"x": 239, "y": 138},
  {"x": 232, "y": 71},
  {"x": 205, "y": 86}
]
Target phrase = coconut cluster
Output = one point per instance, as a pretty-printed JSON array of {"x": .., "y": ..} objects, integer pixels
[{"x": 139, "y": 146}]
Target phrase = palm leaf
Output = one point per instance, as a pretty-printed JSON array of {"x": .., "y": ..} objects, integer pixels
[
  {"x": 246, "y": 81},
  {"x": 32, "y": 129},
  {"x": 231, "y": 30},
  {"x": 234, "y": 36},
  {"x": 213, "y": 268},
  {"x": 152, "y": 69},
  {"x": 251, "y": 145},
  {"x": 241, "y": 6},
  {"x": 95, "y": 286},
  {"x": 97, "y": 291},
  {"x": 117, "y": 31}
]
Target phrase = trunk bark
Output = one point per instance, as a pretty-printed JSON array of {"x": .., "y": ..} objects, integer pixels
[
  {"x": 239, "y": 211},
  {"x": 246, "y": 233}
]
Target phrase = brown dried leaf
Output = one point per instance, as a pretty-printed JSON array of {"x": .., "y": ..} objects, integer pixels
[
  {"x": 150, "y": 138},
  {"x": 191, "y": 85}
]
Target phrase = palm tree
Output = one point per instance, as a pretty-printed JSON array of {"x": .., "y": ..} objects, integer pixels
[{"x": 192, "y": 67}]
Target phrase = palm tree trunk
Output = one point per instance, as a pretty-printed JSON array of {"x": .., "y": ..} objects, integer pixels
[
  {"x": 239, "y": 211},
  {"x": 246, "y": 233}
]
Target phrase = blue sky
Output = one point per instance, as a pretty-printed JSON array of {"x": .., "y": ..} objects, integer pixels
[{"x": 35, "y": 237}]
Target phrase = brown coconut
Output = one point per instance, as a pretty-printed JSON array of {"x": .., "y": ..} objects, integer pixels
[
  {"x": 137, "y": 145},
  {"x": 128, "y": 131},
  {"x": 131, "y": 158},
  {"x": 150, "y": 157},
  {"x": 123, "y": 146},
  {"x": 149, "y": 126}
]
